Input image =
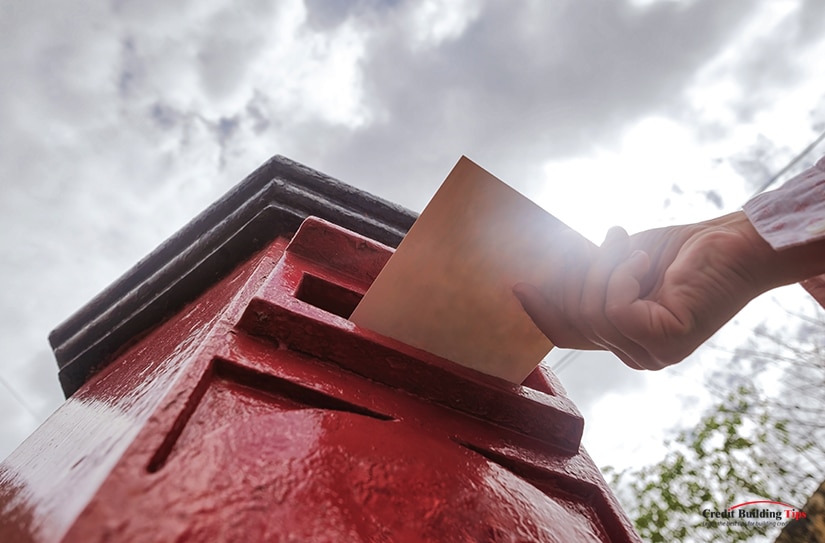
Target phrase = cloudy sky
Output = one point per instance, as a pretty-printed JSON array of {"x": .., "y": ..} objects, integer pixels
[{"x": 121, "y": 120}]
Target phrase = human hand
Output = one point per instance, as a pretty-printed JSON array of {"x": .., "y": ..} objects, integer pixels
[{"x": 654, "y": 297}]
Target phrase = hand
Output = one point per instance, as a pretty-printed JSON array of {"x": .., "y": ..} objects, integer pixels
[{"x": 654, "y": 297}]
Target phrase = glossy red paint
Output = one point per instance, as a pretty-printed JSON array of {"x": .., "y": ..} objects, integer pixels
[{"x": 260, "y": 413}]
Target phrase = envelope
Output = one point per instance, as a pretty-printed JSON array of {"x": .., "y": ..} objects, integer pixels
[{"x": 448, "y": 287}]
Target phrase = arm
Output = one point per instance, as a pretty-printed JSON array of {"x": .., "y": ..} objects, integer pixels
[{"x": 654, "y": 297}]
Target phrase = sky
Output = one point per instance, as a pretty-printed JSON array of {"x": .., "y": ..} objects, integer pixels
[{"x": 121, "y": 120}]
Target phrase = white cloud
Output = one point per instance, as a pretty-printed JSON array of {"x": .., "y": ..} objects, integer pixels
[{"x": 435, "y": 21}]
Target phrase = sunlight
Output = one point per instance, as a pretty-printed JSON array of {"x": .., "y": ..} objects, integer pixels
[{"x": 658, "y": 175}]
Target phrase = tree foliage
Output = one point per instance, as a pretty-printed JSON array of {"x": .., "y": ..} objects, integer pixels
[{"x": 762, "y": 440}]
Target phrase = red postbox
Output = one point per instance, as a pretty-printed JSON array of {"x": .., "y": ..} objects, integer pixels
[{"x": 218, "y": 392}]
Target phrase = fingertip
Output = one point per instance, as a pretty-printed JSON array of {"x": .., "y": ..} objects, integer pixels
[
  {"x": 615, "y": 234},
  {"x": 537, "y": 307},
  {"x": 523, "y": 290},
  {"x": 531, "y": 299}
]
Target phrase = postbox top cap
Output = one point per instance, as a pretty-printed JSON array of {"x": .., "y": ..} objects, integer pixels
[{"x": 270, "y": 203}]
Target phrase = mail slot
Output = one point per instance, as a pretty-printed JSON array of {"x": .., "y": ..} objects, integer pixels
[
  {"x": 303, "y": 307},
  {"x": 258, "y": 412},
  {"x": 328, "y": 296}
]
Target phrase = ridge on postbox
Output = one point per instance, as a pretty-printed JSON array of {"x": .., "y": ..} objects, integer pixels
[{"x": 447, "y": 289}]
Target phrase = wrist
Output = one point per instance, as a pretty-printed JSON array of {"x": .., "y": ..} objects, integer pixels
[{"x": 768, "y": 267}]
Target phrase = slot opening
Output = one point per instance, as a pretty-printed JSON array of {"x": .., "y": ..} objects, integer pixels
[{"x": 328, "y": 296}]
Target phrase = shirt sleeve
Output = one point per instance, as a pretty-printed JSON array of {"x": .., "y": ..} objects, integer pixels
[{"x": 792, "y": 215}]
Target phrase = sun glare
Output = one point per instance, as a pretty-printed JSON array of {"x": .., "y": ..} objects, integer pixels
[{"x": 657, "y": 175}]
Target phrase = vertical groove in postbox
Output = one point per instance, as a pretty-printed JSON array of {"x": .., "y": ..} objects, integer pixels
[{"x": 304, "y": 306}]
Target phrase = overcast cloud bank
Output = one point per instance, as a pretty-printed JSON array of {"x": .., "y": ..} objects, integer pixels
[{"x": 120, "y": 121}]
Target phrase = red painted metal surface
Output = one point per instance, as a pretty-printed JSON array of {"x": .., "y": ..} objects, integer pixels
[{"x": 260, "y": 413}]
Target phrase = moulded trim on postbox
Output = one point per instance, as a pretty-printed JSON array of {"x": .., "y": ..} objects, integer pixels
[{"x": 269, "y": 203}]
